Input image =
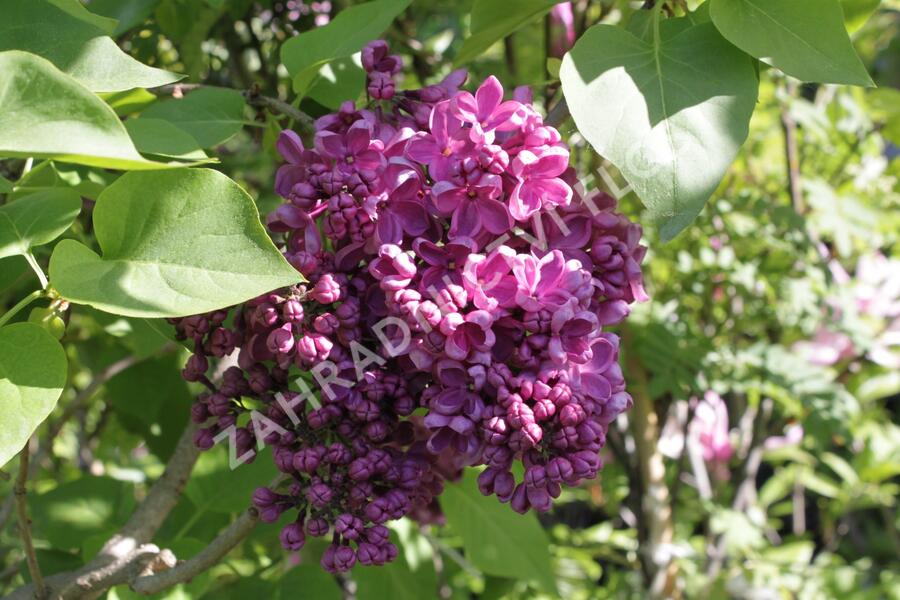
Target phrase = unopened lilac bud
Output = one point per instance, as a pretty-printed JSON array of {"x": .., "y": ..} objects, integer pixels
[
  {"x": 370, "y": 554},
  {"x": 270, "y": 514},
  {"x": 292, "y": 537},
  {"x": 344, "y": 559},
  {"x": 572, "y": 414},
  {"x": 292, "y": 311},
  {"x": 264, "y": 497},
  {"x": 195, "y": 368},
  {"x": 390, "y": 551},
  {"x": 504, "y": 485},
  {"x": 203, "y": 439},
  {"x": 519, "y": 414},
  {"x": 585, "y": 464},
  {"x": 218, "y": 405},
  {"x": 348, "y": 526},
  {"x": 327, "y": 290},
  {"x": 199, "y": 412},
  {"x": 221, "y": 342},
  {"x": 319, "y": 495},
  {"x": 539, "y": 498},
  {"x": 360, "y": 469},
  {"x": 377, "y": 511},
  {"x": 306, "y": 460},
  {"x": 281, "y": 340},
  {"x": 317, "y": 527},
  {"x": 536, "y": 477},
  {"x": 519, "y": 500},
  {"x": 377, "y": 534},
  {"x": 559, "y": 470}
]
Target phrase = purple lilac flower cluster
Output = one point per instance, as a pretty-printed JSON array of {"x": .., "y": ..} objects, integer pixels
[{"x": 457, "y": 292}]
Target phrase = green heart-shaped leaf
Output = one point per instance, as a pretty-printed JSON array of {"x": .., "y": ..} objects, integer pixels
[
  {"x": 44, "y": 113},
  {"x": 350, "y": 30},
  {"x": 209, "y": 115},
  {"x": 174, "y": 243},
  {"x": 32, "y": 376},
  {"x": 498, "y": 540},
  {"x": 36, "y": 219},
  {"x": 669, "y": 113},
  {"x": 806, "y": 39},
  {"x": 71, "y": 39}
]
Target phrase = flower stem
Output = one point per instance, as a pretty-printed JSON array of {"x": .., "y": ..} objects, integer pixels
[
  {"x": 33, "y": 263},
  {"x": 20, "y": 305}
]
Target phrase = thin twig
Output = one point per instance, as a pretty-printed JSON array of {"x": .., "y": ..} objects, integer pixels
[
  {"x": 208, "y": 557},
  {"x": 792, "y": 156},
  {"x": 252, "y": 96},
  {"x": 25, "y": 523}
]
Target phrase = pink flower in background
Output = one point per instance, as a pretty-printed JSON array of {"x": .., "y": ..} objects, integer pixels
[
  {"x": 562, "y": 29},
  {"x": 826, "y": 348},
  {"x": 793, "y": 435},
  {"x": 710, "y": 428}
]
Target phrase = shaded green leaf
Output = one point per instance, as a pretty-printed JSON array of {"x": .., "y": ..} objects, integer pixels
[
  {"x": 308, "y": 582},
  {"x": 44, "y": 113},
  {"x": 857, "y": 12},
  {"x": 804, "y": 38},
  {"x": 498, "y": 540},
  {"x": 162, "y": 138},
  {"x": 71, "y": 512},
  {"x": 127, "y": 13},
  {"x": 75, "y": 45},
  {"x": 493, "y": 20},
  {"x": 32, "y": 376},
  {"x": 214, "y": 486},
  {"x": 194, "y": 245},
  {"x": 671, "y": 116},
  {"x": 211, "y": 116},
  {"x": 350, "y": 30},
  {"x": 36, "y": 219}
]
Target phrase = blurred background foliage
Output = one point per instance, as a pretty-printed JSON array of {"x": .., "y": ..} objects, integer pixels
[{"x": 770, "y": 351}]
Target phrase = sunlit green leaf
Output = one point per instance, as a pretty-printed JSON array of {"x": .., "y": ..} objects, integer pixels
[
  {"x": 350, "y": 30},
  {"x": 670, "y": 116},
  {"x": 32, "y": 375},
  {"x": 75, "y": 45},
  {"x": 44, "y": 113},
  {"x": 804, "y": 38},
  {"x": 193, "y": 245},
  {"x": 36, "y": 219}
]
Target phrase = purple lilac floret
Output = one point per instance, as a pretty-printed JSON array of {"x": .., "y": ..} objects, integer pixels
[{"x": 439, "y": 230}]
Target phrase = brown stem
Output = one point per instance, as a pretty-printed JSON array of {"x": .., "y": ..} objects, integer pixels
[
  {"x": 25, "y": 523},
  {"x": 656, "y": 510},
  {"x": 208, "y": 557},
  {"x": 792, "y": 156}
]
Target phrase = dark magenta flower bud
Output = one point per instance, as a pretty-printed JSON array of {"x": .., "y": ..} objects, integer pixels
[
  {"x": 281, "y": 340},
  {"x": 370, "y": 554},
  {"x": 519, "y": 499},
  {"x": 195, "y": 368},
  {"x": 320, "y": 495},
  {"x": 199, "y": 412},
  {"x": 572, "y": 414},
  {"x": 292, "y": 311},
  {"x": 264, "y": 497},
  {"x": 536, "y": 477},
  {"x": 377, "y": 511},
  {"x": 348, "y": 526},
  {"x": 203, "y": 439},
  {"x": 559, "y": 470},
  {"x": 292, "y": 537},
  {"x": 307, "y": 460},
  {"x": 271, "y": 513},
  {"x": 361, "y": 469},
  {"x": 344, "y": 559},
  {"x": 377, "y": 534},
  {"x": 317, "y": 527},
  {"x": 504, "y": 485}
]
